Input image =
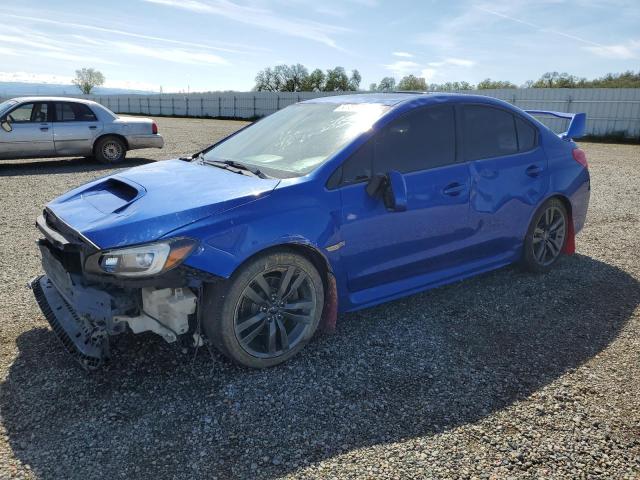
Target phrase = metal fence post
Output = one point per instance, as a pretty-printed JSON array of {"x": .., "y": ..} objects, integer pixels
[
  {"x": 119, "y": 105},
  {"x": 149, "y": 105},
  {"x": 277, "y": 102},
  {"x": 186, "y": 99},
  {"x": 160, "y": 104},
  {"x": 219, "y": 106},
  {"x": 202, "y": 106},
  {"x": 234, "y": 107},
  {"x": 173, "y": 106}
]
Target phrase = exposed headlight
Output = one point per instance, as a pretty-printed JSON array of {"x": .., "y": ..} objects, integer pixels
[{"x": 141, "y": 261}]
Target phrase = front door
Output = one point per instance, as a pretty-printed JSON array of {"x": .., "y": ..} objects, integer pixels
[
  {"x": 75, "y": 128},
  {"x": 389, "y": 252},
  {"x": 31, "y": 133}
]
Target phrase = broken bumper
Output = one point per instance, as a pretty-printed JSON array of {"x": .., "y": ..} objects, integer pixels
[
  {"x": 87, "y": 343},
  {"x": 83, "y": 315}
]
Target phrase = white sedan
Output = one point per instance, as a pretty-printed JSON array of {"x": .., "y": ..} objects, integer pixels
[{"x": 35, "y": 127}]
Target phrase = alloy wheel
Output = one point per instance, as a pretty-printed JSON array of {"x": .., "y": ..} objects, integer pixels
[
  {"x": 548, "y": 236},
  {"x": 275, "y": 312}
]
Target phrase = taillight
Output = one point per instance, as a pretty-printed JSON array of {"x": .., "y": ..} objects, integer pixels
[
  {"x": 580, "y": 157},
  {"x": 154, "y": 128}
]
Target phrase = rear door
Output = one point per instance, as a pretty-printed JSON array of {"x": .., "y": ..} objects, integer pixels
[
  {"x": 75, "y": 128},
  {"x": 429, "y": 238},
  {"x": 509, "y": 177},
  {"x": 31, "y": 134}
]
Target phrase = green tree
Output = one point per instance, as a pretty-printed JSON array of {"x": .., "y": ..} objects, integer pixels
[
  {"x": 487, "y": 84},
  {"x": 387, "y": 84},
  {"x": 412, "y": 83},
  {"x": 354, "y": 81},
  {"x": 314, "y": 82},
  {"x": 337, "y": 80},
  {"x": 87, "y": 79}
]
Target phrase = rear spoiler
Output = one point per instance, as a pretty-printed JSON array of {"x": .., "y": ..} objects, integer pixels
[{"x": 577, "y": 122}]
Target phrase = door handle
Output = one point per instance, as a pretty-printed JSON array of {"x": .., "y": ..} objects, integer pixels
[
  {"x": 44, "y": 129},
  {"x": 533, "y": 170},
  {"x": 453, "y": 189},
  {"x": 92, "y": 127}
]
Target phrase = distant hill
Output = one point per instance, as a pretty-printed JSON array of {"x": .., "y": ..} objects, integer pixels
[{"x": 15, "y": 89}]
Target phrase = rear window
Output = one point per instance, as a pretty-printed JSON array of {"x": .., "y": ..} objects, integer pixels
[
  {"x": 488, "y": 132},
  {"x": 526, "y": 135}
]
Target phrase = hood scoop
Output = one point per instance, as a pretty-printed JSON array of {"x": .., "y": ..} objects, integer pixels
[{"x": 113, "y": 195}]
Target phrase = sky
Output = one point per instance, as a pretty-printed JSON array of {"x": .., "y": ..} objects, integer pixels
[{"x": 206, "y": 45}]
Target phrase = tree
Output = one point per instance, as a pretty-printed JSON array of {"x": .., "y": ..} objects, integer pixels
[
  {"x": 354, "y": 81},
  {"x": 411, "y": 82},
  {"x": 387, "y": 84},
  {"x": 487, "y": 84},
  {"x": 88, "y": 78},
  {"x": 314, "y": 82},
  {"x": 337, "y": 80}
]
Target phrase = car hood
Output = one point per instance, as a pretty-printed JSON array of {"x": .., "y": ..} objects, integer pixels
[{"x": 145, "y": 203}]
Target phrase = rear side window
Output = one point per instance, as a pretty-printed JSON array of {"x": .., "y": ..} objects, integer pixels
[
  {"x": 74, "y": 112},
  {"x": 420, "y": 140},
  {"x": 526, "y": 135},
  {"x": 487, "y": 132}
]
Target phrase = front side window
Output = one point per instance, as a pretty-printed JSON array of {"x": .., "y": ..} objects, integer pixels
[
  {"x": 297, "y": 139},
  {"x": 487, "y": 132},
  {"x": 419, "y": 140},
  {"x": 29, "y": 113},
  {"x": 74, "y": 112}
]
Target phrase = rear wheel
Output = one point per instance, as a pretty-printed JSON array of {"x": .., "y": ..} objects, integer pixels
[
  {"x": 110, "y": 150},
  {"x": 546, "y": 236},
  {"x": 267, "y": 311}
]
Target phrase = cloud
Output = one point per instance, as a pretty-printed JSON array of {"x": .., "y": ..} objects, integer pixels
[
  {"x": 455, "y": 62},
  {"x": 259, "y": 17},
  {"x": 70, "y": 26},
  {"x": 174, "y": 55},
  {"x": 628, "y": 51},
  {"x": 24, "y": 77},
  {"x": 403, "y": 67},
  {"x": 428, "y": 74},
  {"x": 403, "y": 54}
]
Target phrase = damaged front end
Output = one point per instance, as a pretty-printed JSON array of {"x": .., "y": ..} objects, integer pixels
[{"x": 88, "y": 295}]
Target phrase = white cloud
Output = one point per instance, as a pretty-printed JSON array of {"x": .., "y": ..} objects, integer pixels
[
  {"x": 174, "y": 55},
  {"x": 70, "y": 26},
  {"x": 24, "y": 77},
  {"x": 628, "y": 51},
  {"x": 403, "y": 67},
  {"x": 259, "y": 17},
  {"x": 403, "y": 54},
  {"x": 428, "y": 73},
  {"x": 456, "y": 62}
]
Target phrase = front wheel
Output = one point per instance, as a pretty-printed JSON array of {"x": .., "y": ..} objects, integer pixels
[
  {"x": 267, "y": 311},
  {"x": 546, "y": 236}
]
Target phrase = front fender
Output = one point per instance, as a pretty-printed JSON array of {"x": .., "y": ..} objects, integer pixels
[{"x": 289, "y": 216}]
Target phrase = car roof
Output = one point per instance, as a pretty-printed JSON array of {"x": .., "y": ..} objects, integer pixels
[
  {"x": 396, "y": 98},
  {"x": 53, "y": 99}
]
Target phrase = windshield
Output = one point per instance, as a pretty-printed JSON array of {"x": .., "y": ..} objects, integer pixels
[
  {"x": 294, "y": 141},
  {"x": 4, "y": 106}
]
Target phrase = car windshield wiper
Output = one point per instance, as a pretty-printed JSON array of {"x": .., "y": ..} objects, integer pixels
[{"x": 234, "y": 166}]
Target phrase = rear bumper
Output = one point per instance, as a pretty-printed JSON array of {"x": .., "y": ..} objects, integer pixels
[{"x": 145, "y": 141}]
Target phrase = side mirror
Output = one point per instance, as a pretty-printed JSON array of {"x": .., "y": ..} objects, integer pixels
[
  {"x": 392, "y": 188},
  {"x": 6, "y": 124}
]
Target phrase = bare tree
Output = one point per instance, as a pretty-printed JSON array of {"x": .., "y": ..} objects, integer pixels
[{"x": 88, "y": 78}]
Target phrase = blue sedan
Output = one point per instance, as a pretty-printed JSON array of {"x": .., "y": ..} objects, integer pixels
[{"x": 327, "y": 206}]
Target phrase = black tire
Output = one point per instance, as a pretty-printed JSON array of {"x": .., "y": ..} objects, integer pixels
[
  {"x": 110, "y": 150},
  {"x": 546, "y": 237},
  {"x": 262, "y": 331}
]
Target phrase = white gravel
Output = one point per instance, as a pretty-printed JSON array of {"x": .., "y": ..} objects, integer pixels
[{"x": 505, "y": 375}]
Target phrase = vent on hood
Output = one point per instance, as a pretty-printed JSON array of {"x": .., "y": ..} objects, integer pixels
[{"x": 112, "y": 195}]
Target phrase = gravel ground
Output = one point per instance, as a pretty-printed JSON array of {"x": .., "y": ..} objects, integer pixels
[{"x": 506, "y": 374}]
